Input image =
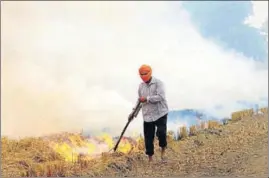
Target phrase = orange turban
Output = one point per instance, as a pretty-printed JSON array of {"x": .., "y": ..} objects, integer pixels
[{"x": 145, "y": 72}]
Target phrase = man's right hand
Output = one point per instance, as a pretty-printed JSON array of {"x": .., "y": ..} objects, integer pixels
[{"x": 143, "y": 99}]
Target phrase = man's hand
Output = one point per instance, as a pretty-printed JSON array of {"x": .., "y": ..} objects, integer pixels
[{"x": 143, "y": 99}]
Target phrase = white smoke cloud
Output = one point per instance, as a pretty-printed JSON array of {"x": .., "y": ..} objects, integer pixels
[
  {"x": 259, "y": 15},
  {"x": 69, "y": 66}
]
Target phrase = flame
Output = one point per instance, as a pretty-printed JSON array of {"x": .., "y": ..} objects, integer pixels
[
  {"x": 124, "y": 146},
  {"x": 73, "y": 146},
  {"x": 107, "y": 139}
]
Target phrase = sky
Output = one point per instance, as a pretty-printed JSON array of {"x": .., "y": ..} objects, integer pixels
[
  {"x": 72, "y": 66},
  {"x": 225, "y": 23}
]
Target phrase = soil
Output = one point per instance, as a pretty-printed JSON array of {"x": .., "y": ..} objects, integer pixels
[{"x": 236, "y": 149}]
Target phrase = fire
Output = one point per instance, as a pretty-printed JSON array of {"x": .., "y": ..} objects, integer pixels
[
  {"x": 107, "y": 139},
  {"x": 74, "y": 145},
  {"x": 124, "y": 146}
]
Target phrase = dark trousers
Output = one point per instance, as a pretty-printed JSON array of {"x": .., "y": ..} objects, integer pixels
[{"x": 149, "y": 134}]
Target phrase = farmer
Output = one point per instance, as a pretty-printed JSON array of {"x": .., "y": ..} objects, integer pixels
[{"x": 154, "y": 110}]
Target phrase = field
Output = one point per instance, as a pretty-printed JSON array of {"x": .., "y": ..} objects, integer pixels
[{"x": 238, "y": 148}]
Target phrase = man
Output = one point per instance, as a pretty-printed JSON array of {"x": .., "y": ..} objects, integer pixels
[{"x": 154, "y": 110}]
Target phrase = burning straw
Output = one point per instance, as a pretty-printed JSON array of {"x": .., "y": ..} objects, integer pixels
[{"x": 61, "y": 155}]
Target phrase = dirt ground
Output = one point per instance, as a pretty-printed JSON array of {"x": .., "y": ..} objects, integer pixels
[{"x": 236, "y": 149}]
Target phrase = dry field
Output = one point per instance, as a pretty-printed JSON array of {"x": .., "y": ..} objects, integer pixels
[{"x": 236, "y": 149}]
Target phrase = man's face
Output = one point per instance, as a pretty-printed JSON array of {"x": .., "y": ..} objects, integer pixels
[
  {"x": 145, "y": 72},
  {"x": 145, "y": 76}
]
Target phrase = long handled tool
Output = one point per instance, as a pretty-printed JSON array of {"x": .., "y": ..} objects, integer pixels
[{"x": 133, "y": 114}]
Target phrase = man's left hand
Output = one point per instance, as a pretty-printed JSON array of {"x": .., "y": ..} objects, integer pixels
[{"x": 143, "y": 99}]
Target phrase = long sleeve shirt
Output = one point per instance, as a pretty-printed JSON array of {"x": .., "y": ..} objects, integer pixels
[{"x": 156, "y": 105}]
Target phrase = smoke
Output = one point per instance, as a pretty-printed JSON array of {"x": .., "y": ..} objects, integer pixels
[
  {"x": 259, "y": 18},
  {"x": 259, "y": 15},
  {"x": 68, "y": 66}
]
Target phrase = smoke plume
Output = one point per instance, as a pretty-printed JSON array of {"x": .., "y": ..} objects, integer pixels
[{"x": 68, "y": 66}]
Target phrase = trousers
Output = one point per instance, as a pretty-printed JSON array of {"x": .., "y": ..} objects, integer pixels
[{"x": 149, "y": 134}]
